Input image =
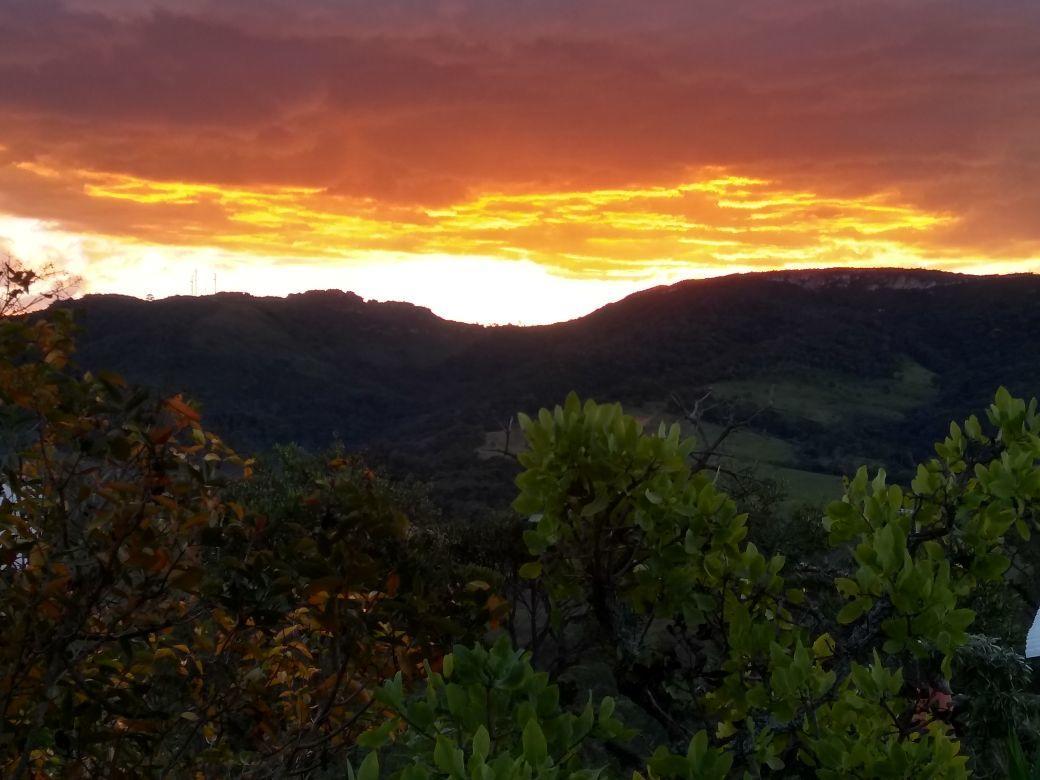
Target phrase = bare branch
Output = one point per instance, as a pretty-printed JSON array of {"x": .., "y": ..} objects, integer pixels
[{"x": 23, "y": 289}]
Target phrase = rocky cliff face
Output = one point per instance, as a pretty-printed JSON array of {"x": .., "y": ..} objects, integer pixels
[{"x": 867, "y": 278}]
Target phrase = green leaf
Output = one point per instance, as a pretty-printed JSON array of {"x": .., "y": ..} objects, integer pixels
[
  {"x": 421, "y": 714},
  {"x": 444, "y": 754},
  {"x": 373, "y": 739},
  {"x": 597, "y": 505},
  {"x": 852, "y": 611},
  {"x": 457, "y": 699},
  {"x": 481, "y": 743},
  {"x": 535, "y": 748},
  {"x": 369, "y": 769},
  {"x": 531, "y": 570}
]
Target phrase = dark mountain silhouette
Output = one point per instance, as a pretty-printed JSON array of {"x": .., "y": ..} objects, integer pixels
[{"x": 858, "y": 365}]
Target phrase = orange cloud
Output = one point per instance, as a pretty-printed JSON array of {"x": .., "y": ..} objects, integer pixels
[
  {"x": 621, "y": 142},
  {"x": 714, "y": 219}
]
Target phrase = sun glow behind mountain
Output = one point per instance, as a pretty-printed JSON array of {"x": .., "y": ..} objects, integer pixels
[{"x": 507, "y": 167}]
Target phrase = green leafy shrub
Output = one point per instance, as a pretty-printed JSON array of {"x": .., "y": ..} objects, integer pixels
[
  {"x": 624, "y": 532},
  {"x": 489, "y": 714}
]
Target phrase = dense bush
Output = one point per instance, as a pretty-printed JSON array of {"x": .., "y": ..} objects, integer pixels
[
  {"x": 647, "y": 571},
  {"x": 160, "y": 613},
  {"x": 488, "y": 713}
]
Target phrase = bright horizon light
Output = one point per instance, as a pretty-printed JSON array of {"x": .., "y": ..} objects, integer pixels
[{"x": 473, "y": 289}]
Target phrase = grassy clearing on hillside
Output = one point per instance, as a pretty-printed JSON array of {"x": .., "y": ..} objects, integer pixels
[
  {"x": 805, "y": 487},
  {"x": 833, "y": 398},
  {"x": 749, "y": 447},
  {"x": 771, "y": 456}
]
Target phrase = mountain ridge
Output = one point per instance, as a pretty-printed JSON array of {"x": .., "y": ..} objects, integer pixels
[
  {"x": 914, "y": 349},
  {"x": 816, "y": 278}
]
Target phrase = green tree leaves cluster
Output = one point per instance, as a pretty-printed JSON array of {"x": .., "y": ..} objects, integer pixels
[
  {"x": 489, "y": 715},
  {"x": 622, "y": 526}
]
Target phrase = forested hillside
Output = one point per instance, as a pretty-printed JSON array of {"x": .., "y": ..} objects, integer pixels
[{"x": 845, "y": 367}]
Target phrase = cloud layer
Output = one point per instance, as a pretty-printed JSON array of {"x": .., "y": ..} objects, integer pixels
[{"x": 612, "y": 140}]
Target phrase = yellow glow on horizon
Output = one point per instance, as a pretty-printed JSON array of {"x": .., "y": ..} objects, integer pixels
[
  {"x": 526, "y": 257},
  {"x": 581, "y": 233},
  {"x": 465, "y": 288}
]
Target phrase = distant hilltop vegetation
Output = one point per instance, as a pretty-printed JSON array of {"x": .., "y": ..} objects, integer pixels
[{"x": 845, "y": 365}]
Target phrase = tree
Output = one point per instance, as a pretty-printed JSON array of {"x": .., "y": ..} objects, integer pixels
[
  {"x": 107, "y": 495},
  {"x": 156, "y": 618},
  {"x": 652, "y": 552}
]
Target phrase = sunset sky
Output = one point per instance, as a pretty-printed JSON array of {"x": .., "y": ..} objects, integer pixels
[{"x": 514, "y": 160}]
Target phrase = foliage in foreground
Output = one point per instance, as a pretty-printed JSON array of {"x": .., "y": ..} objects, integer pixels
[
  {"x": 168, "y": 611},
  {"x": 488, "y": 713},
  {"x": 649, "y": 559},
  {"x": 154, "y": 624},
  {"x": 1019, "y": 766}
]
